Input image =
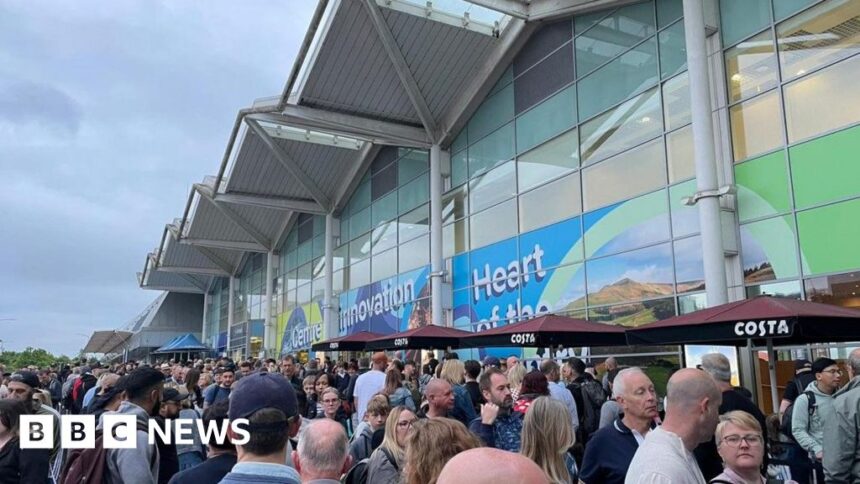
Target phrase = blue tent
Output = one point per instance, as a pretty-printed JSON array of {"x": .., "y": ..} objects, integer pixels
[{"x": 180, "y": 344}]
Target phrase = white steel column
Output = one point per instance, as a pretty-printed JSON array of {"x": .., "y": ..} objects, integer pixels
[
  {"x": 230, "y": 308},
  {"x": 329, "y": 322},
  {"x": 704, "y": 154},
  {"x": 437, "y": 263},
  {"x": 269, "y": 336}
]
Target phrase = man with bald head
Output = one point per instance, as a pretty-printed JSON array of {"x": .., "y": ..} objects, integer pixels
[
  {"x": 440, "y": 398},
  {"x": 323, "y": 452},
  {"x": 496, "y": 466},
  {"x": 692, "y": 414}
]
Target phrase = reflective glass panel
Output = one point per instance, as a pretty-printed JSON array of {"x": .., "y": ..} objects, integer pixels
[
  {"x": 768, "y": 250},
  {"x": 751, "y": 67},
  {"x": 413, "y": 163},
  {"x": 549, "y": 160},
  {"x": 635, "y": 275},
  {"x": 679, "y": 147},
  {"x": 359, "y": 274},
  {"x": 359, "y": 223},
  {"x": 415, "y": 253},
  {"x": 676, "y": 101},
  {"x": 544, "y": 79},
  {"x": 625, "y": 126},
  {"x": 616, "y": 33},
  {"x": 673, "y": 50},
  {"x": 823, "y": 101},
  {"x": 497, "y": 223},
  {"x": 818, "y": 36},
  {"x": 689, "y": 265},
  {"x": 627, "y": 225},
  {"x": 493, "y": 150},
  {"x": 361, "y": 198},
  {"x": 668, "y": 11},
  {"x": 740, "y": 18},
  {"x": 550, "y": 203},
  {"x": 838, "y": 289},
  {"x": 383, "y": 237},
  {"x": 755, "y": 126},
  {"x": 547, "y": 119},
  {"x": 784, "y": 8},
  {"x": 359, "y": 248},
  {"x": 493, "y": 187},
  {"x": 762, "y": 186},
  {"x": 547, "y": 39},
  {"x": 495, "y": 111},
  {"x": 685, "y": 218},
  {"x": 459, "y": 167},
  {"x": 455, "y": 238},
  {"x": 384, "y": 265},
  {"x": 383, "y": 182},
  {"x": 414, "y": 193},
  {"x": 636, "y": 171},
  {"x": 789, "y": 289},
  {"x": 692, "y": 302},
  {"x": 455, "y": 204},
  {"x": 414, "y": 223},
  {"x": 384, "y": 209}
]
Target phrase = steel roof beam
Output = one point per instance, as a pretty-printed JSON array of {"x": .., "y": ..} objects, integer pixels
[
  {"x": 196, "y": 270},
  {"x": 224, "y": 244},
  {"x": 402, "y": 69},
  {"x": 549, "y": 10},
  {"x": 274, "y": 203},
  {"x": 194, "y": 282},
  {"x": 290, "y": 165},
  {"x": 223, "y": 265},
  {"x": 284, "y": 231},
  {"x": 512, "y": 8},
  {"x": 207, "y": 193},
  {"x": 373, "y": 130}
]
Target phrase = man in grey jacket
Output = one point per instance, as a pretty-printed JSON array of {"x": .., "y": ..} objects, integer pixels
[
  {"x": 138, "y": 465},
  {"x": 808, "y": 430},
  {"x": 841, "y": 448}
]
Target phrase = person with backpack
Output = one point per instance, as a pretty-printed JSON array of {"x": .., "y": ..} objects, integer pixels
[
  {"x": 557, "y": 390},
  {"x": 589, "y": 397},
  {"x": 812, "y": 409},
  {"x": 395, "y": 391}
]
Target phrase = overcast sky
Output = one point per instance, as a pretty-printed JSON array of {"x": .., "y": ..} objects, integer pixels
[{"x": 109, "y": 111}]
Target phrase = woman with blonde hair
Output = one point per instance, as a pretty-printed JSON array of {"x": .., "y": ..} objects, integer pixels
[
  {"x": 741, "y": 445},
  {"x": 547, "y": 434},
  {"x": 387, "y": 460},
  {"x": 432, "y": 444},
  {"x": 516, "y": 374},
  {"x": 454, "y": 372}
]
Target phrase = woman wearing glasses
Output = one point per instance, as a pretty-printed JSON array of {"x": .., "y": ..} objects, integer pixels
[
  {"x": 741, "y": 446},
  {"x": 386, "y": 461},
  {"x": 333, "y": 409}
]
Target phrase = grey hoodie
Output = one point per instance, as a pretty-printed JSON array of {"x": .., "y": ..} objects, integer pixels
[
  {"x": 809, "y": 431},
  {"x": 132, "y": 466},
  {"x": 841, "y": 450}
]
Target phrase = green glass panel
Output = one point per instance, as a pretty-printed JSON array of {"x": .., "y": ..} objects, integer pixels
[
  {"x": 741, "y": 18},
  {"x": 551, "y": 117},
  {"x": 818, "y": 36},
  {"x": 459, "y": 168},
  {"x": 668, "y": 11},
  {"x": 673, "y": 50},
  {"x": 414, "y": 193},
  {"x": 495, "y": 111},
  {"x": 413, "y": 164},
  {"x": 493, "y": 150},
  {"x": 827, "y": 168},
  {"x": 829, "y": 237},
  {"x": 685, "y": 219},
  {"x": 762, "y": 186},
  {"x": 627, "y": 75},
  {"x": 784, "y": 8},
  {"x": 548, "y": 161},
  {"x": 384, "y": 209},
  {"x": 768, "y": 250},
  {"x": 616, "y": 33}
]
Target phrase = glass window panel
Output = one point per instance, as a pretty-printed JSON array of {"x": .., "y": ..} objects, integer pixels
[
  {"x": 304, "y": 273},
  {"x": 359, "y": 223},
  {"x": 344, "y": 227},
  {"x": 459, "y": 168},
  {"x": 626, "y": 126},
  {"x": 493, "y": 150},
  {"x": 680, "y": 150},
  {"x": 319, "y": 246},
  {"x": 507, "y": 78},
  {"x": 613, "y": 35},
  {"x": 548, "y": 161},
  {"x": 685, "y": 219},
  {"x": 635, "y": 314},
  {"x": 383, "y": 237},
  {"x": 550, "y": 203},
  {"x": 823, "y": 101},
  {"x": 304, "y": 252},
  {"x": 547, "y": 119},
  {"x": 384, "y": 209},
  {"x": 305, "y": 230},
  {"x": 689, "y": 265},
  {"x": 789, "y": 289},
  {"x": 414, "y": 163},
  {"x": 460, "y": 142},
  {"x": 762, "y": 186},
  {"x": 784, "y": 8},
  {"x": 361, "y": 198},
  {"x": 751, "y": 67},
  {"x": 414, "y": 223},
  {"x": 817, "y": 36},
  {"x": 383, "y": 182},
  {"x": 384, "y": 265},
  {"x": 497, "y": 223},
  {"x": 319, "y": 224},
  {"x": 386, "y": 156},
  {"x": 826, "y": 169},
  {"x": 625, "y": 76},
  {"x": 828, "y": 237},
  {"x": 415, "y": 253},
  {"x": 755, "y": 126},
  {"x": 547, "y": 39},
  {"x": 455, "y": 238},
  {"x": 341, "y": 256},
  {"x": 455, "y": 204},
  {"x": 303, "y": 294},
  {"x": 676, "y": 101},
  {"x": 544, "y": 79},
  {"x": 627, "y": 225},
  {"x": 691, "y": 303},
  {"x": 768, "y": 250},
  {"x": 839, "y": 289},
  {"x": 668, "y": 11},
  {"x": 359, "y": 248},
  {"x": 639, "y": 170},
  {"x": 581, "y": 23},
  {"x": 414, "y": 193},
  {"x": 495, "y": 111},
  {"x": 635, "y": 275},
  {"x": 741, "y": 18},
  {"x": 673, "y": 50},
  {"x": 493, "y": 187},
  {"x": 337, "y": 283},
  {"x": 359, "y": 274}
]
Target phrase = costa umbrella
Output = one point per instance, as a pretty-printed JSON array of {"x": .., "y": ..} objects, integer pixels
[
  {"x": 353, "y": 342},
  {"x": 550, "y": 331},
  {"x": 424, "y": 337},
  {"x": 760, "y": 320}
]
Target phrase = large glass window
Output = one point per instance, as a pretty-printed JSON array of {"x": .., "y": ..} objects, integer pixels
[
  {"x": 762, "y": 187},
  {"x": 756, "y": 128},
  {"x": 668, "y": 11},
  {"x": 827, "y": 168},
  {"x": 413, "y": 163},
  {"x": 676, "y": 101},
  {"x": 495, "y": 111},
  {"x": 414, "y": 223},
  {"x": 636, "y": 171},
  {"x": 751, "y": 67},
  {"x": 679, "y": 147},
  {"x": 839, "y": 289},
  {"x": 455, "y": 238},
  {"x": 459, "y": 167},
  {"x": 689, "y": 265},
  {"x": 497, "y": 223},
  {"x": 828, "y": 237},
  {"x": 627, "y": 125},
  {"x": 768, "y": 250},
  {"x": 635, "y": 275},
  {"x": 685, "y": 218},
  {"x": 493, "y": 187},
  {"x": 384, "y": 265},
  {"x": 673, "y": 50},
  {"x": 493, "y": 150},
  {"x": 414, "y": 193},
  {"x": 613, "y": 35},
  {"x": 549, "y": 160},
  {"x": 550, "y": 203},
  {"x": 627, "y": 225},
  {"x": 818, "y": 36},
  {"x": 415, "y": 253},
  {"x": 384, "y": 209},
  {"x": 547, "y": 119},
  {"x": 741, "y": 18},
  {"x": 823, "y": 101},
  {"x": 455, "y": 204}
]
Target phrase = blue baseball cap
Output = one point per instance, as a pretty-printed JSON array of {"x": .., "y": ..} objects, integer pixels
[{"x": 262, "y": 390}]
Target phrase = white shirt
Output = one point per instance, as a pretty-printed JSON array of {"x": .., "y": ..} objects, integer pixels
[
  {"x": 663, "y": 459},
  {"x": 366, "y": 386},
  {"x": 559, "y": 392}
]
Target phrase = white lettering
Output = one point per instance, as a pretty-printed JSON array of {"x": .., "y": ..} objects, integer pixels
[{"x": 770, "y": 327}]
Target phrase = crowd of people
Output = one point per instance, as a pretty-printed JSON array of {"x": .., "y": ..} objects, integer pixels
[{"x": 385, "y": 420}]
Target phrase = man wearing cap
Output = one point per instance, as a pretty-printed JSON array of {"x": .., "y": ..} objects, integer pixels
[
  {"x": 167, "y": 452},
  {"x": 369, "y": 384},
  {"x": 22, "y": 385},
  {"x": 269, "y": 403}
]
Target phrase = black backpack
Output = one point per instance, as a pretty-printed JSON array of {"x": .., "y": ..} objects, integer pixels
[
  {"x": 785, "y": 424},
  {"x": 593, "y": 397},
  {"x": 357, "y": 474}
]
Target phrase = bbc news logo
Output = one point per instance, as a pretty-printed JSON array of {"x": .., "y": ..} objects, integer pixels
[{"x": 120, "y": 431}]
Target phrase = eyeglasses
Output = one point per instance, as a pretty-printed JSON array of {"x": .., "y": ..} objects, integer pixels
[
  {"x": 834, "y": 371},
  {"x": 735, "y": 440},
  {"x": 329, "y": 402},
  {"x": 405, "y": 424}
]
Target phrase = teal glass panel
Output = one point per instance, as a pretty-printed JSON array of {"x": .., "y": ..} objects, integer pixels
[
  {"x": 414, "y": 193},
  {"x": 319, "y": 246},
  {"x": 384, "y": 209},
  {"x": 676, "y": 101},
  {"x": 507, "y": 78},
  {"x": 581, "y": 23},
  {"x": 460, "y": 142},
  {"x": 414, "y": 223},
  {"x": 784, "y": 8},
  {"x": 689, "y": 265},
  {"x": 361, "y": 198},
  {"x": 493, "y": 150},
  {"x": 627, "y": 225},
  {"x": 742, "y": 18},
  {"x": 668, "y": 11},
  {"x": 789, "y": 289},
  {"x": 551, "y": 159},
  {"x": 631, "y": 276},
  {"x": 359, "y": 248},
  {"x": 495, "y": 111},
  {"x": 768, "y": 250},
  {"x": 344, "y": 228},
  {"x": 613, "y": 35},
  {"x": 685, "y": 219},
  {"x": 623, "y": 127},
  {"x": 304, "y": 252},
  {"x": 359, "y": 223},
  {"x": 492, "y": 187},
  {"x": 319, "y": 224},
  {"x": 459, "y": 167},
  {"x": 413, "y": 164},
  {"x": 829, "y": 236},
  {"x": 627, "y": 75},
  {"x": 673, "y": 50},
  {"x": 762, "y": 187},
  {"x": 547, "y": 119}
]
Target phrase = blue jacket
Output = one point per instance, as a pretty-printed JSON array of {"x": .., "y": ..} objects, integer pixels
[
  {"x": 608, "y": 454},
  {"x": 463, "y": 409},
  {"x": 505, "y": 433}
]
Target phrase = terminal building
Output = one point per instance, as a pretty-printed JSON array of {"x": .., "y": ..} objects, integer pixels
[{"x": 472, "y": 163}]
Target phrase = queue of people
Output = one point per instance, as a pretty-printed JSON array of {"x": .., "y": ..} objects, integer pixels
[{"x": 379, "y": 420}]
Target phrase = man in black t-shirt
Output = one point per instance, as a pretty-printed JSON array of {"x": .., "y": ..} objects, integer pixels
[
  {"x": 802, "y": 378},
  {"x": 473, "y": 369}
]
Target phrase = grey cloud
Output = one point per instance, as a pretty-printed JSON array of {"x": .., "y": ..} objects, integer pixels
[{"x": 39, "y": 103}]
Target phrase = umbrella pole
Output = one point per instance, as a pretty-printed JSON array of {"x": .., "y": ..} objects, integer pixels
[{"x": 771, "y": 368}]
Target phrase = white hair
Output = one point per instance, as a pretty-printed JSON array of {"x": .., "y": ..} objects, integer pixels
[
  {"x": 717, "y": 365},
  {"x": 619, "y": 385}
]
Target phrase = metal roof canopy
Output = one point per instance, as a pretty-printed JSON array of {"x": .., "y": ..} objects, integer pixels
[
  {"x": 106, "y": 341},
  {"x": 173, "y": 256},
  {"x": 152, "y": 278}
]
